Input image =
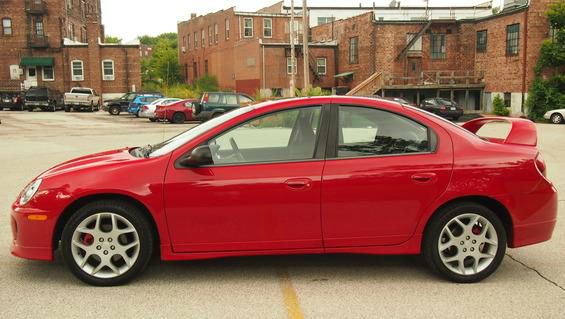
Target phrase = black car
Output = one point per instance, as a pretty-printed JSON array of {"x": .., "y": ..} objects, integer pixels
[
  {"x": 115, "y": 107},
  {"x": 12, "y": 101},
  {"x": 43, "y": 98},
  {"x": 442, "y": 107},
  {"x": 212, "y": 104}
]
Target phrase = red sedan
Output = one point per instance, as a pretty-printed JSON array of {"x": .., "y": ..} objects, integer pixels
[
  {"x": 175, "y": 113},
  {"x": 299, "y": 176}
]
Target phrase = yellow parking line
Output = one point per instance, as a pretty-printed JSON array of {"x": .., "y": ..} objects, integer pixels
[{"x": 289, "y": 295}]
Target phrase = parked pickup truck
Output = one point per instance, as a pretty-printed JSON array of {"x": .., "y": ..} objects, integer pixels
[
  {"x": 82, "y": 99},
  {"x": 43, "y": 98}
]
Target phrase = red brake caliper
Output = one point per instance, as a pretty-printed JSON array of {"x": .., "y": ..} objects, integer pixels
[
  {"x": 477, "y": 230},
  {"x": 87, "y": 239}
]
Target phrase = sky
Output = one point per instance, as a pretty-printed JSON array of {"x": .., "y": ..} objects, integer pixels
[{"x": 128, "y": 19}]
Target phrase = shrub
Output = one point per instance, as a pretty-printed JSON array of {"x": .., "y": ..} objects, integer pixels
[
  {"x": 499, "y": 107},
  {"x": 207, "y": 83},
  {"x": 313, "y": 91},
  {"x": 546, "y": 95}
]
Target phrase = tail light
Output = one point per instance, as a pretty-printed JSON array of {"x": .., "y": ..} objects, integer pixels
[
  {"x": 540, "y": 165},
  {"x": 442, "y": 108},
  {"x": 145, "y": 108}
]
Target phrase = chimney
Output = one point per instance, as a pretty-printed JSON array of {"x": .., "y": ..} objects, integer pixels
[{"x": 193, "y": 15}]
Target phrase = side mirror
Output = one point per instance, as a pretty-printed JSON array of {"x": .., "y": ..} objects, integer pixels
[{"x": 199, "y": 156}]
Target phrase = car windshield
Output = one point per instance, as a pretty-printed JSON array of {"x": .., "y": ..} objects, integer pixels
[
  {"x": 157, "y": 101},
  {"x": 176, "y": 141}
]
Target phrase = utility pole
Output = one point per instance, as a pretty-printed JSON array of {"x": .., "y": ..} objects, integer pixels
[
  {"x": 306, "y": 52},
  {"x": 292, "y": 53}
]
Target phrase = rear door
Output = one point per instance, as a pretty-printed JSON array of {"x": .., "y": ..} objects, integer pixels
[{"x": 382, "y": 172}]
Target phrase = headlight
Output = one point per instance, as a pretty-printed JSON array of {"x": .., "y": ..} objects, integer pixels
[{"x": 30, "y": 191}]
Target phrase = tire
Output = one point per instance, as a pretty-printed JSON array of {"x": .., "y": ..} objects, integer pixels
[
  {"x": 114, "y": 110},
  {"x": 102, "y": 243},
  {"x": 153, "y": 120},
  {"x": 30, "y": 109},
  {"x": 486, "y": 237},
  {"x": 67, "y": 109},
  {"x": 178, "y": 118},
  {"x": 556, "y": 118}
]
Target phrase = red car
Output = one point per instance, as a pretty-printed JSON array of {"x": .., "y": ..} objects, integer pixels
[
  {"x": 299, "y": 176},
  {"x": 175, "y": 113}
]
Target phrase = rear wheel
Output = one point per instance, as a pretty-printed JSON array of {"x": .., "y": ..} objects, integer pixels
[
  {"x": 107, "y": 243},
  {"x": 153, "y": 119},
  {"x": 178, "y": 118},
  {"x": 114, "y": 110},
  {"x": 465, "y": 243},
  {"x": 556, "y": 118}
]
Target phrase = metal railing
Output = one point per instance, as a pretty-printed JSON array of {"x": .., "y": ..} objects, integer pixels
[
  {"x": 435, "y": 78},
  {"x": 38, "y": 41},
  {"x": 36, "y": 6}
]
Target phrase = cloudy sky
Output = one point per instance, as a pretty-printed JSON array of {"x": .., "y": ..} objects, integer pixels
[{"x": 128, "y": 19}]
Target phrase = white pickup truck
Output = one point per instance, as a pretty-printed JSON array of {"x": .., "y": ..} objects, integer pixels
[{"x": 81, "y": 99}]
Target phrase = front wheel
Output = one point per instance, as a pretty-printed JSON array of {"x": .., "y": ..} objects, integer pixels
[
  {"x": 107, "y": 243},
  {"x": 178, "y": 118},
  {"x": 556, "y": 118},
  {"x": 465, "y": 243},
  {"x": 114, "y": 110}
]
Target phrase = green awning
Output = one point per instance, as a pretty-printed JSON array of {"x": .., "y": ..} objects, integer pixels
[
  {"x": 36, "y": 61},
  {"x": 344, "y": 74}
]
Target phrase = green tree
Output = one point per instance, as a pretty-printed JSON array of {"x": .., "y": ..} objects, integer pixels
[
  {"x": 499, "y": 107},
  {"x": 111, "y": 39},
  {"x": 548, "y": 89},
  {"x": 162, "y": 67}
]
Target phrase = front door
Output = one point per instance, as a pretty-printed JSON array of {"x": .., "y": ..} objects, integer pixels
[
  {"x": 31, "y": 77},
  {"x": 385, "y": 171},
  {"x": 262, "y": 192},
  {"x": 414, "y": 70}
]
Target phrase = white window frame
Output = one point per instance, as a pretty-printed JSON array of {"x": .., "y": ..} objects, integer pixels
[
  {"x": 270, "y": 28},
  {"x": 75, "y": 77},
  {"x": 227, "y": 29},
  {"x": 289, "y": 65},
  {"x": 196, "y": 40},
  {"x": 43, "y": 74},
  {"x": 216, "y": 33},
  {"x": 325, "y": 65},
  {"x": 7, "y": 25},
  {"x": 108, "y": 77},
  {"x": 246, "y": 27},
  {"x": 202, "y": 38}
]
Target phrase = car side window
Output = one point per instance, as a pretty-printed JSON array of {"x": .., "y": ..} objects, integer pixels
[
  {"x": 244, "y": 99},
  {"x": 231, "y": 99},
  {"x": 215, "y": 98},
  {"x": 367, "y": 131},
  {"x": 281, "y": 136}
]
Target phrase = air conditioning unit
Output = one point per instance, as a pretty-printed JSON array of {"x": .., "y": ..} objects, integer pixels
[
  {"x": 108, "y": 77},
  {"x": 78, "y": 78}
]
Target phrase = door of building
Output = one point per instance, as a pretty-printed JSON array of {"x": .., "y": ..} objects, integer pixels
[{"x": 31, "y": 77}]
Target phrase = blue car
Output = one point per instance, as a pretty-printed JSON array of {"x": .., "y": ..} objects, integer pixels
[{"x": 139, "y": 101}]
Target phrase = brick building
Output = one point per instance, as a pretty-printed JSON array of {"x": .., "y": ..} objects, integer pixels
[
  {"x": 468, "y": 60},
  {"x": 58, "y": 44},
  {"x": 250, "y": 51}
]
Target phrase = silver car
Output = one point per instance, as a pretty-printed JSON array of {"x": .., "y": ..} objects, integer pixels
[
  {"x": 555, "y": 116},
  {"x": 148, "y": 111}
]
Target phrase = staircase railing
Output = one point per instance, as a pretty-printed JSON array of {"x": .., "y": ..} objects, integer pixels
[{"x": 368, "y": 87}]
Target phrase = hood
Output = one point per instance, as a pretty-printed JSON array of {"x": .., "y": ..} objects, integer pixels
[{"x": 107, "y": 159}]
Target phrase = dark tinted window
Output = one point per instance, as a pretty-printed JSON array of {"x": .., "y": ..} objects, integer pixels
[{"x": 367, "y": 131}]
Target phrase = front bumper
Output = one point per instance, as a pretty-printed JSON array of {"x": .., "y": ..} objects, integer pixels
[
  {"x": 31, "y": 239},
  {"x": 547, "y": 115}
]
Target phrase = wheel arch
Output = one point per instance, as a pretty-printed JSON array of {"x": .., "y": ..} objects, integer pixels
[
  {"x": 82, "y": 201},
  {"x": 497, "y": 207}
]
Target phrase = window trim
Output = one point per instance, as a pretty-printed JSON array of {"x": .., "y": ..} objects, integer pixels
[
  {"x": 325, "y": 65},
  {"x": 443, "y": 55},
  {"x": 320, "y": 147},
  {"x": 350, "y": 56},
  {"x": 43, "y": 74},
  {"x": 290, "y": 66},
  {"x": 333, "y": 134},
  {"x": 269, "y": 28},
  {"x": 73, "y": 71},
  {"x": 227, "y": 29},
  {"x": 244, "y": 27},
  {"x": 11, "y": 27},
  {"x": 507, "y": 42},
  {"x": 113, "y": 70},
  {"x": 216, "y": 33}
]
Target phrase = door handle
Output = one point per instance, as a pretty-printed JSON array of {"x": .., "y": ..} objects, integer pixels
[
  {"x": 423, "y": 177},
  {"x": 298, "y": 183}
]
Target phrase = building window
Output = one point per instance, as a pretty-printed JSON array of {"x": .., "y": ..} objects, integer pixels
[
  {"x": 512, "y": 39},
  {"x": 71, "y": 31},
  {"x": 216, "y": 33},
  {"x": 210, "y": 40},
  {"x": 196, "y": 40},
  {"x": 205, "y": 66},
  {"x": 417, "y": 46},
  {"x": 39, "y": 27},
  {"x": 7, "y": 26},
  {"x": 321, "y": 66},
  {"x": 188, "y": 42},
  {"x": 268, "y": 28},
  {"x": 83, "y": 8},
  {"x": 324, "y": 20},
  {"x": 438, "y": 46},
  {"x": 77, "y": 70},
  {"x": 482, "y": 41},
  {"x": 353, "y": 50},
  {"x": 83, "y": 35},
  {"x": 290, "y": 66},
  {"x": 184, "y": 41},
  {"x": 108, "y": 70},
  {"x": 227, "y": 29},
  {"x": 48, "y": 73},
  {"x": 507, "y": 99},
  {"x": 203, "y": 38},
  {"x": 247, "y": 27}
]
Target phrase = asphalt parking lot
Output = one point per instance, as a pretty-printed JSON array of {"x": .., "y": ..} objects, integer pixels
[{"x": 529, "y": 284}]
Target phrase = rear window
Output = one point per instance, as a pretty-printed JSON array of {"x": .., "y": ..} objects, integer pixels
[
  {"x": 81, "y": 91},
  {"x": 37, "y": 92}
]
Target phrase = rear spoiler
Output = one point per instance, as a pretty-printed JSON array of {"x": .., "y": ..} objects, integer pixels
[{"x": 522, "y": 132}]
